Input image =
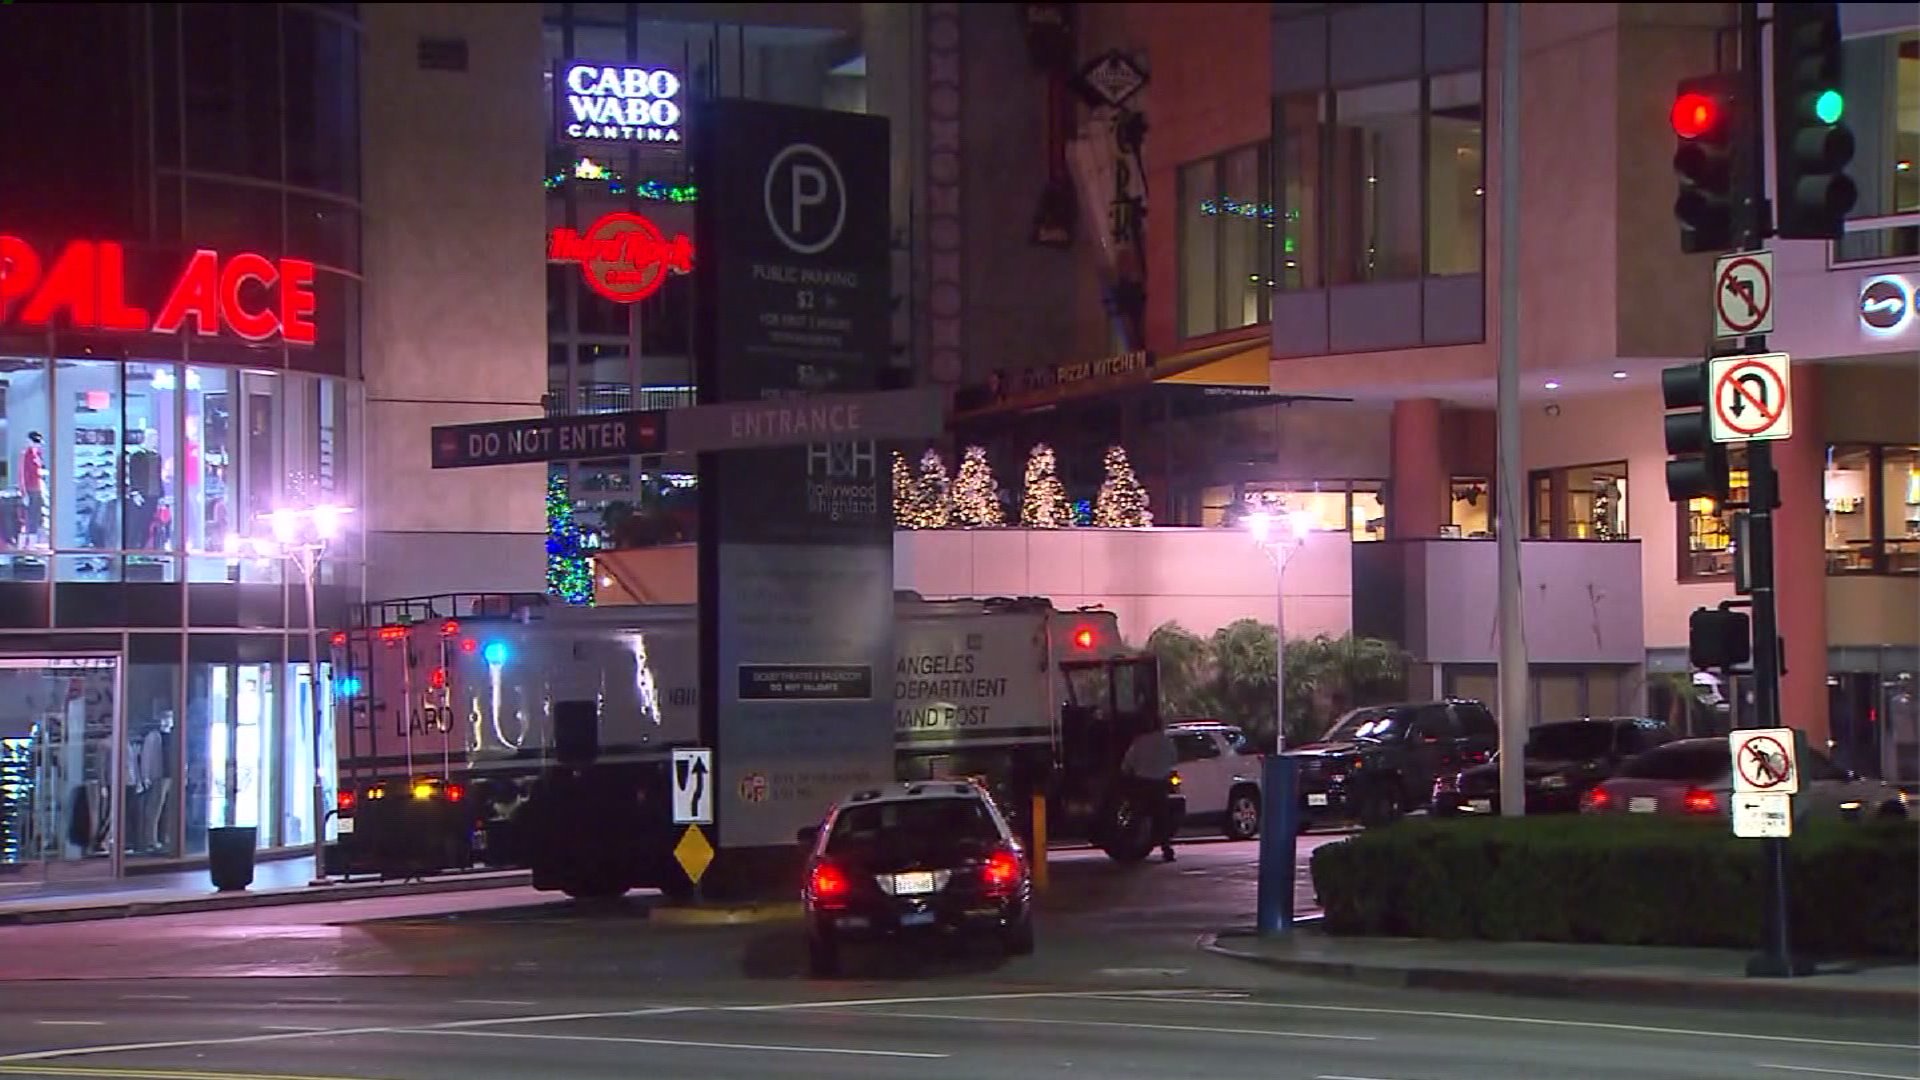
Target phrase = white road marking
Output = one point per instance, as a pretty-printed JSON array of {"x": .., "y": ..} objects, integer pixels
[
  {"x": 1134, "y": 972},
  {"x": 310, "y": 1001},
  {"x": 849, "y": 1003},
  {"x": 71, "y": 1023},
  {"x": 156, "y": 997},
  {"x": 846, "y": 1051},
  {"x": 1598, "y": 1025},
  {"x": 494, "y": 1001},
  {"x": 1129, "y": 1024},
  {"x": 290, "y": 1027},
  {"x": 1332, "y": 1077},
  {"x": 1834, "y": 1072}
]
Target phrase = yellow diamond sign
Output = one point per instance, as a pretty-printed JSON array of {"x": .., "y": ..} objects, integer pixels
[{"x": 694, "y": 852}]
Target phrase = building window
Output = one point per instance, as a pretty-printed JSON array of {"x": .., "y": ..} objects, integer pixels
[
  {"x": 1706, "y": 528},
  {"x": 1873, "y": 509},
  {"x": 1470, "y": 508},
  {"x": 1377, "y": 183},
  {"x": 1882, "y": 75},
  {"x": 1226, "y": 222},
  {"x": 1355, "y": 507},
  {"x": 1456, "y": 169},
  {"x": 1298, "y": 120},
  {"x": 1583, "y": 502}
]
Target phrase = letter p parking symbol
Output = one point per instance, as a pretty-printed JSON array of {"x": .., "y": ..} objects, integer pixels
[{"x": 805, "y": 198}]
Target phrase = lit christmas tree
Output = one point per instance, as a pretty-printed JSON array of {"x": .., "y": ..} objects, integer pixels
[
  {"x": 569, "y": 568},
  {"x": 1123, "y": 499},
  {"x": 936, "y": 497},
  {"x": 904, "y": 488},
  {"x": 976, "y": 496},
  {"x": 1043, "y": 504}
]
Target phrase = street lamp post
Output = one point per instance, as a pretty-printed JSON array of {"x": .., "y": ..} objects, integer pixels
[
  {"x": 1280, "y": 536},
  {"x": 300, "y": 536}
]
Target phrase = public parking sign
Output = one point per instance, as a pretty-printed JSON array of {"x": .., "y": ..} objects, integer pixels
[
  {"x": 1752, "y": 397},
  {"x": 1765, "y": 761}
]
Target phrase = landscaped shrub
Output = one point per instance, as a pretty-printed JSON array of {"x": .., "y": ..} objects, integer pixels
[{"x": 1855, "y": 887}]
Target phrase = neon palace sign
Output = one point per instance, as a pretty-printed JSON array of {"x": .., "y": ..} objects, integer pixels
[{"x": 85, "y": 285}]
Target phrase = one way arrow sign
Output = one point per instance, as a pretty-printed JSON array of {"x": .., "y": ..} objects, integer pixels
[{"x": 692, "y": 791}]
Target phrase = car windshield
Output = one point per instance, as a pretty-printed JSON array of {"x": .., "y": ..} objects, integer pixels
[
  {"x": 1700, "y": 762},
  {"x": 1363, "y": 724},
  {"x": 913, "y": 829},
  {"x": 1570, "y": 742}
]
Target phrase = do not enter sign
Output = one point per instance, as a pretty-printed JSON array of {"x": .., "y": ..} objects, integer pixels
[
  {"x": 1752, "y": 397},
  {"x": 1765, "y": 761}
]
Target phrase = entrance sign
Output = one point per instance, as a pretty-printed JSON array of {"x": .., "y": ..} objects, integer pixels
[
  {"x": 623, "y": 257},
  {"x": 1743, "y": 294},
  {"x": 86, "y": 287},
  {"x": 1762, "y": 815},
  {"x": 1764, "y": 761},
  {"x": 796, "y": 539},
  {"x": 548, "y": 438},
  {"x": 1752, "y": 397},
  {"x": 620, "y": 103}
]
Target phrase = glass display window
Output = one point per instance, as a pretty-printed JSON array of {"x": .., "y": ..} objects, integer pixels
[
  {"x": 87, "y": 508},
  {"x": 207, "y": 470},
  {"x": 149, "y": 495},
  {"x": 25, "y": 454}
]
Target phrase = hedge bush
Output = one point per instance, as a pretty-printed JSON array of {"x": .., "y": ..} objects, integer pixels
[{"x": 1855, "y": 887}]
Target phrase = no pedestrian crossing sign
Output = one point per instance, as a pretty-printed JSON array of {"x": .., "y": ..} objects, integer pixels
[{"x": 1765, "y": 761}]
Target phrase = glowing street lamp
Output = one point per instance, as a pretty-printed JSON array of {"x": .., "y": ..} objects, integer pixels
[
  {"x": 300, "y": 535},
  {"x": 1280, "y": 535}
]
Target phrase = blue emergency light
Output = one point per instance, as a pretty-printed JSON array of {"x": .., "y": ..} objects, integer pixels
[{"x": 495, "y": 653}]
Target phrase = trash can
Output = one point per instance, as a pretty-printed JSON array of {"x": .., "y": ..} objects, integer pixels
[{"x": 230, "y": 856}]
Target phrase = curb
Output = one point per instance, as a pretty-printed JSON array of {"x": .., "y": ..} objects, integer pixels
[
  {"x": 724, "y": 915},
  {"x": 1784, "y": 994},
  {"x": 316, "y": 894}
]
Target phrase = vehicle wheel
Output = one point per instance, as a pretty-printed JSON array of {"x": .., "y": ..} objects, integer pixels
[
  {"x": 1130, "y": 833},
  {"x": 1018, "y": 939},
  {"x": 1243, "y": 813},
  {"x": 1378, "y": 806},
  {"x": 1892, "y": 811},
  {"x": 823, "y": 956}
]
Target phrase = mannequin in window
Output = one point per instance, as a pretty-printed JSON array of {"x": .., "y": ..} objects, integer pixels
[
  {"x": 154, "y": 772},
  {"x": 33, "y": 482},
  {"x": 145, "y": 486}
]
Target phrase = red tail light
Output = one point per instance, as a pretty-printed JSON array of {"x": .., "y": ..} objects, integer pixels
[
  {"x": 439, "y": 678},
  {"x": 1000, "y": 873},
  {"x": 455, "y": 792},
  {"x": 339, "y": 639},
  {"x": 344, "y": 801},
  {"x": 828, "y": 885},
  {"x": 1699, "y": 801},
  {"x": 1596, "y": 800}
]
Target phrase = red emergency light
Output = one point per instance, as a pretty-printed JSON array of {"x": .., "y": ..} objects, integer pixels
[
  {"x": 1083, "y": 638},
  {"x": 393, "y": 635},
  {"x": 439, "y": 679},
  {"x": 468, "y": 645},
  {"x": 450, "y": 628},
  {"x": 339, "y": 639}
]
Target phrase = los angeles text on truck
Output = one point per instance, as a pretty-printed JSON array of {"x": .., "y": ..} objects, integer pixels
[{"x": 458, "y": 745}]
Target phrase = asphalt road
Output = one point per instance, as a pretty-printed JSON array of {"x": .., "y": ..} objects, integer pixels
[{"x": 1118, "y": 990}]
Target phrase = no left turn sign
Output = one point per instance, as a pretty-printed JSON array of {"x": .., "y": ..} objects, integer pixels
[
  {"x": 1743, "y": 294},
  {"x": 1764, "y": 761},
  {"x": 1752, "y": 397}
]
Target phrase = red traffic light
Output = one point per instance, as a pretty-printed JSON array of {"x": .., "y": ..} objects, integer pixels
[{"x": 1695, "y": 115}]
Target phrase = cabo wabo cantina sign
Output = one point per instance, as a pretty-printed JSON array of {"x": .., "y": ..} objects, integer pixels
[
  {"x": 84, "y": 287},
  {"x": 616, "y": 103}
]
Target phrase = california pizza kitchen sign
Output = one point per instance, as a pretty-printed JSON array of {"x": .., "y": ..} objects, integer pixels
[{"x": 621, "y": 103}]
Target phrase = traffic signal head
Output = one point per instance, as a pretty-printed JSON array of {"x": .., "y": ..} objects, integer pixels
[
  {"x": 1812, "y": 144},
  {"x": 1703, "y": 119},
  {"x": 1719, "y": 638},
  {"x": 1697, "y": 466}
]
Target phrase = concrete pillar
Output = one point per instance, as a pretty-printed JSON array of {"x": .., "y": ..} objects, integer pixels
[
  {"x": 1417, "y": 499},
  {"x": 1800, "y": 560}
]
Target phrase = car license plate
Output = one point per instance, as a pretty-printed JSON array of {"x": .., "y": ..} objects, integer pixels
[
  {"x": 918, "y": 883},
  {"x": 851, "y": 922},
  {"x": 345, "y": 825},
  {"x": 1480, "y": 806},
  {"x": 1644, "y": 804},
  {"x": 916, "y": 918},
  {"x": 1316, "y": 798}
]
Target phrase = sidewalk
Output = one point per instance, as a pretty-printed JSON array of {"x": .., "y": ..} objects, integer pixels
[
  {"x": 282, "y": 881},
  {"x": 1578, "y": 971}
]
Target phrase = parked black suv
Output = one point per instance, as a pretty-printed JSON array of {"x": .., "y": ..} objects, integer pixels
[
  {"x": 1562, "y": 761},
  {"x": 1377, "y": 762}
]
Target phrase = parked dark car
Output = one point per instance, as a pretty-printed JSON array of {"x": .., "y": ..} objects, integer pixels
[
  {"x": 1694, "y": 778},
  {"x": 1562, "y": 761},
  {"x": 1378, "y": 762},
  {"x": 914, "y": 860}
]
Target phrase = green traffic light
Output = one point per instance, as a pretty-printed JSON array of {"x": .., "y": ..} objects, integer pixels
[{"x": 1828, "y": 106}]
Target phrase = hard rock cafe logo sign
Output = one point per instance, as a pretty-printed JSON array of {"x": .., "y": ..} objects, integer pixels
[{"x": 623, "y": 257}]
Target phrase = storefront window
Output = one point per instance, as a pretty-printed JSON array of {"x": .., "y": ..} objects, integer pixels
[
  {"x": 1470, "y": 508},
  {"x": 1873, "y": 509},
  {"x": 148, "y": 497},
  {"x": 208, "y": 513},
  {"x": 24, "y": 479},
  {"x": 88, "y": 437},
  {"x": 1456, "y": 193},
  {"x": 297, "y": 819},
  {"x": 1354, "y": 507},
  {"x": 153, "y": 753},
  {"x": 1584, "y": 502},
  {"x": 57, "y": 759},
  {"x": 230, "y": 727}
]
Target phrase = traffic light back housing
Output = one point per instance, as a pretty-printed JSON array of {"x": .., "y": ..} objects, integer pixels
[
  {"x": 1812, "y": 143},
  {"x": 1697, "y": 467}
]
